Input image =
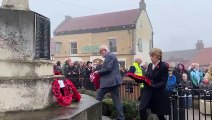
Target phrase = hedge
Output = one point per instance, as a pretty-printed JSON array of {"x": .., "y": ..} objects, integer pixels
[{"x": 108, "y": 109}]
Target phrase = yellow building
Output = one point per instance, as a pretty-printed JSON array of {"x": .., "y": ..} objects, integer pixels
[{"x": 128, "y": 34}]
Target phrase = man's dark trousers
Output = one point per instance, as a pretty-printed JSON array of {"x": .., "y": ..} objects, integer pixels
[{"x": 115, "y": 97}]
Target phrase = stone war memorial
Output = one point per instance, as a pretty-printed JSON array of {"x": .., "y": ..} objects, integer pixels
[{"x": 26, "y": 72}]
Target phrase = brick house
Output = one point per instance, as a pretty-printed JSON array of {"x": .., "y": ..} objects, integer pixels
[{"x": 200, "y": 55}]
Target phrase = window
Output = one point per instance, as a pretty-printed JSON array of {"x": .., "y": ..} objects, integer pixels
[
  {"x": 122, "y": 63},
  {"x": 58, "y": 47},
  {"x": 112, "y": 45},
  {"x": 73, "y": 48},
  {"x": 140, "y": 45}
]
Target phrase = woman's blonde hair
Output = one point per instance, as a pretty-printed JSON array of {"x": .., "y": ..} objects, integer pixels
[{"x": 157, "y": 52}]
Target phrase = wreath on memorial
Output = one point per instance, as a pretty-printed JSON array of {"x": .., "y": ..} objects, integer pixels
[
  {"x": 64, "y": 95},
  {"x": 139, "y": 79}
]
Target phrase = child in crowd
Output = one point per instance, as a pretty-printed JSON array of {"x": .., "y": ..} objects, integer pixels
[{"x": 171, "y": 82}]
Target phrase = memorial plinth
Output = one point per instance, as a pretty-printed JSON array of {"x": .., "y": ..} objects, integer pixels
[
  {"x": 26, "y": 71},
  {"x": 87, "y": 109}
]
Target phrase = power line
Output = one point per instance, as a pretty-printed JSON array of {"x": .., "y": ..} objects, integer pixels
[{"x": 78, "y": 6}]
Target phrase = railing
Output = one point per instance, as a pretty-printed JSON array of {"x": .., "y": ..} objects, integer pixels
[
  {"x": 129, "y": 90},
  {"x": 190, "y": 104}
]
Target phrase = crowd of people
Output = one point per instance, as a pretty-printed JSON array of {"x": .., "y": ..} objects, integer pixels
[
  {"x": 109, "y": 71},
  {"x": 155, "y": 95},
  {"x": 77, "y": 72}
]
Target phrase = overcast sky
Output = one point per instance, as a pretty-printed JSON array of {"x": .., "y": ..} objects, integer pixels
[{"x": 177, "y": 24}]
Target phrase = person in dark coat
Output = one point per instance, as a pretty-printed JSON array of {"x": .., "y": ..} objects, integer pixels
[
  {"x": 155, "y": 95},
  {"x": 88, "y": 70},
  {"x": 99, "y": 66},
  {"x": 186, "y": 85},
  {"x": 71, "y": 73},
  {"x": 110, "y": 80},
  {"x": 57, "y": 68},
  {"x": 178, "y": 72},
  {"x": 65, "y": 67},
  {"x": 81, "y": 69},
  {"x": 123, "y": 71},
  {"x": 76, "y": 76}
]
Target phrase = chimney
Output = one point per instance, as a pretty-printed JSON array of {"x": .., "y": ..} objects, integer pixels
[
  {"x": 142, "y": 5},
  {"x": 199, "y": 45},
  {"x": 15, "y": 4},
  {"x": 67, "y": 17}
]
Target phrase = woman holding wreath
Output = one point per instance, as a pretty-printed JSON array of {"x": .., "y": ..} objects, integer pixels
[{"x": 154, "y": 95}]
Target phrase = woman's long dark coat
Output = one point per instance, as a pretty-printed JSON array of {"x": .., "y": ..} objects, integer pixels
[
  {"x": 87, "y": 82},
  {"x": 155, "y": 96}
]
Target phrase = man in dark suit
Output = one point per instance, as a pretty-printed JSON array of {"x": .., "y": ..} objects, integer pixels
[{"x": 110, "y": 79}]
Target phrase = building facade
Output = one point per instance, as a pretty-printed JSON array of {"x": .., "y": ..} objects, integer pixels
[{"x": 127, "y": 33}]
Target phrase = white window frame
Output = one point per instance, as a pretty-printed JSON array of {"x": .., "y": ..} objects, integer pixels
[
  {"x": 140, "y": 45},
  {"x": 113, "y": 46},
  {"x": 58, "y": 46},
  {"x": 70, "y": 51}
]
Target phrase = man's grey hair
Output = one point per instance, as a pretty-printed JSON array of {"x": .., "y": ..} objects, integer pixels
[
  {"x": 104, "y": 47},
  {"x": 137, "y": 59}
]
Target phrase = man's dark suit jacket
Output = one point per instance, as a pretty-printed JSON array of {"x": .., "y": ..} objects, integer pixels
[{"x": 110, "y": 74}]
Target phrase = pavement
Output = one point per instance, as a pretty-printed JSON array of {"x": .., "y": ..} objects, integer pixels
[
  {"x": 105, "y": 118},
  {"x": 197, "y": 115}
]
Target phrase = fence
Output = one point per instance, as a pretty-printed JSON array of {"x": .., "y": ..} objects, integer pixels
[
  {"x": 190, "y": 104},
  {"x": 129, "y": 90}
]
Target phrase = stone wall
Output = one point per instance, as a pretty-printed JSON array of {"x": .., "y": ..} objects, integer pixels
[
  {"x": 16, "y": 34},
  {"x": 15, "y": 68},
  {"x": 27, "y": 93}
]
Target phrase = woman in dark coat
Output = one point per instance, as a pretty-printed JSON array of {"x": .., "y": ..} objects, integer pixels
[
  {"x": 88, "y": 70},
  {"x": 155, "y": 96}
]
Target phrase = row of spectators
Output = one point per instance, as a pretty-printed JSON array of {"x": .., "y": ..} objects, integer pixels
[
  {"x": 194, "y": 77},
  {"x": 77, "y": 72}
]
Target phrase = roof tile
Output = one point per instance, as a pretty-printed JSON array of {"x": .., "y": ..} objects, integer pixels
[{"x": 120, "y": 18}]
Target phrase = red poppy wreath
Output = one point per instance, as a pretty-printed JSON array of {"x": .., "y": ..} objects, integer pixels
[
  {"x": 139, "y": 79},
  {"x": 65, "y": 93},
  {"x": 95, "y": 79}
]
